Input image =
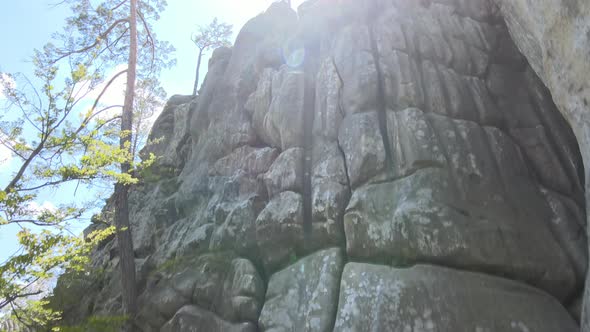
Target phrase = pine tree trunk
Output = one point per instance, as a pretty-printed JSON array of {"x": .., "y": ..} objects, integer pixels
[
  {"x": 127, "y": 258},
  {"x": 197, "y": 76}
]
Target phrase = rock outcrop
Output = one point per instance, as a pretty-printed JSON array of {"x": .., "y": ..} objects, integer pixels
[
  {"x": 555, "y": 38},
  {"x": 360, "y": 166}
]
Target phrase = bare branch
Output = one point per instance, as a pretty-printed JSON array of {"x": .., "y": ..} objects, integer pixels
[
  {"x": 149, "y": 34},
  {"x": 54, "y": 5},
  {"x": 104, "y": 110},
  {"x": 50, "y": 183},
  {"x": 39, "y": 100},
  {"x": 31, "y": 221},
  {"x": 119, "y": 5},
  {"x": 104, "y": 90}
]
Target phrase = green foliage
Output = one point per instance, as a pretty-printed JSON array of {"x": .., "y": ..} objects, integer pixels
[
  {"x": 214, "y": 35},
  {"x": 43, "y": 256},
  {"x": 99, "y": 30},
  {"x": 58, "y": 136},
  {"x": 212, "y": 261},
  {"x": 151, "y": 172},
  {"x": 96, "y": 324},
  {"x": 36, "y": 314}
]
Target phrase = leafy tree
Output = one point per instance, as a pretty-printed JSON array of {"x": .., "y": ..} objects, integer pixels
[
  {"x": 111, "y": 30},
  {"x": 54, "y": 143},
  {"x": 214, "y": 35},
  {"x": 73, "y": 145}
]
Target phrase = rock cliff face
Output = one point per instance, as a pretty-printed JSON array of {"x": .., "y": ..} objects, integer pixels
[
  {"x": 359, "y": 166},
  {"x": 555, "y": 37}
]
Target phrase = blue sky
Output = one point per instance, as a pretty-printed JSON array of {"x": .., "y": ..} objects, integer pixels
[{"x": 27, "y": 25}]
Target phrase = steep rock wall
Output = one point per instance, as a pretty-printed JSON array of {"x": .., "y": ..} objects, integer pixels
[
  {"x": 555, "y": 38},
  {"x": 376, "y": 165}
]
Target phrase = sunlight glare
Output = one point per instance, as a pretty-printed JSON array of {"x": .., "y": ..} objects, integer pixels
[{"x": 245, "y": 5}]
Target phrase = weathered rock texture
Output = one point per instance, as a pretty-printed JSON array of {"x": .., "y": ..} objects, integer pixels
[
  {"x": 555, "y": 38},
  {"x": 360, "y": 166}
]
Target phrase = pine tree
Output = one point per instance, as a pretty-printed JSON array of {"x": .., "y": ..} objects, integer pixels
[{"x": 209, "y": 37}]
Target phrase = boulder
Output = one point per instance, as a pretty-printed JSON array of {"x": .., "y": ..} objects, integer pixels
[
  {"x": 303, "y": 296},
  {"x": 431, "y": 298}
]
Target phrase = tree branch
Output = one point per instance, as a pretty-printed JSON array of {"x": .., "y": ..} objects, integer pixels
[
  {"x": 25, "y": 165},
  {"x": 117, "y": 6},
  {"x": 12, "y": 149},
  {"x": 108, "y": 121},
  {"x": 15, "y": 312},
  {"x": 31, "y": 221},
  {"x": 52, "y": 183},
  {"x": 96, "y": 42},
  {"x": 104, "y": 90},
  {"x": 149, "y": 34},
  {"x": 10, "y": 298},
  {"x": 39, "y": 100},
  {"x": 96, "y": 101},
  {"x": 109, "y": 45}
]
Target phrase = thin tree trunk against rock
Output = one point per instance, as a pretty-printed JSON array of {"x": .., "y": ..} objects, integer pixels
[
  {"x": 127, "y": 262},
  {"x": 197, "y": 76}
]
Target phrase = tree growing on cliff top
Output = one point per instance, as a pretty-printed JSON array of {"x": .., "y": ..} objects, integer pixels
[{"x": 208, "y": 37}]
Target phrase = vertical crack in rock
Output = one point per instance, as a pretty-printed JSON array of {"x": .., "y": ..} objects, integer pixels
[
  {"x": 348, "y": 186},
  {"x": 381, "y": 104},
  {"x": 309, "y": 69},
  {"x": 337, "y": 70},
  {"x": 344, "y": 161},
  {"x": 341, "y": 111},
  {"x": 345, "y": 261}
]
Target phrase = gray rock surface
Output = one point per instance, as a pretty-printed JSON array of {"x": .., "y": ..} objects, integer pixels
[
  {"x": 246, "y": 159},
  {"x": 279, "y": 228},
  {"x": 362, "y": 145},
  {"x": 555, "y": 38},
  {"x": 192, "y": 318},
  {"x": 425, "y": 298},
  {"x": 426, "y": 138},
  {"x": 420, "y": 218},
  {"x": 231, "y": 288},
  {"x": 302, "y": 297},
  {"x": 286, "y": 173}
]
